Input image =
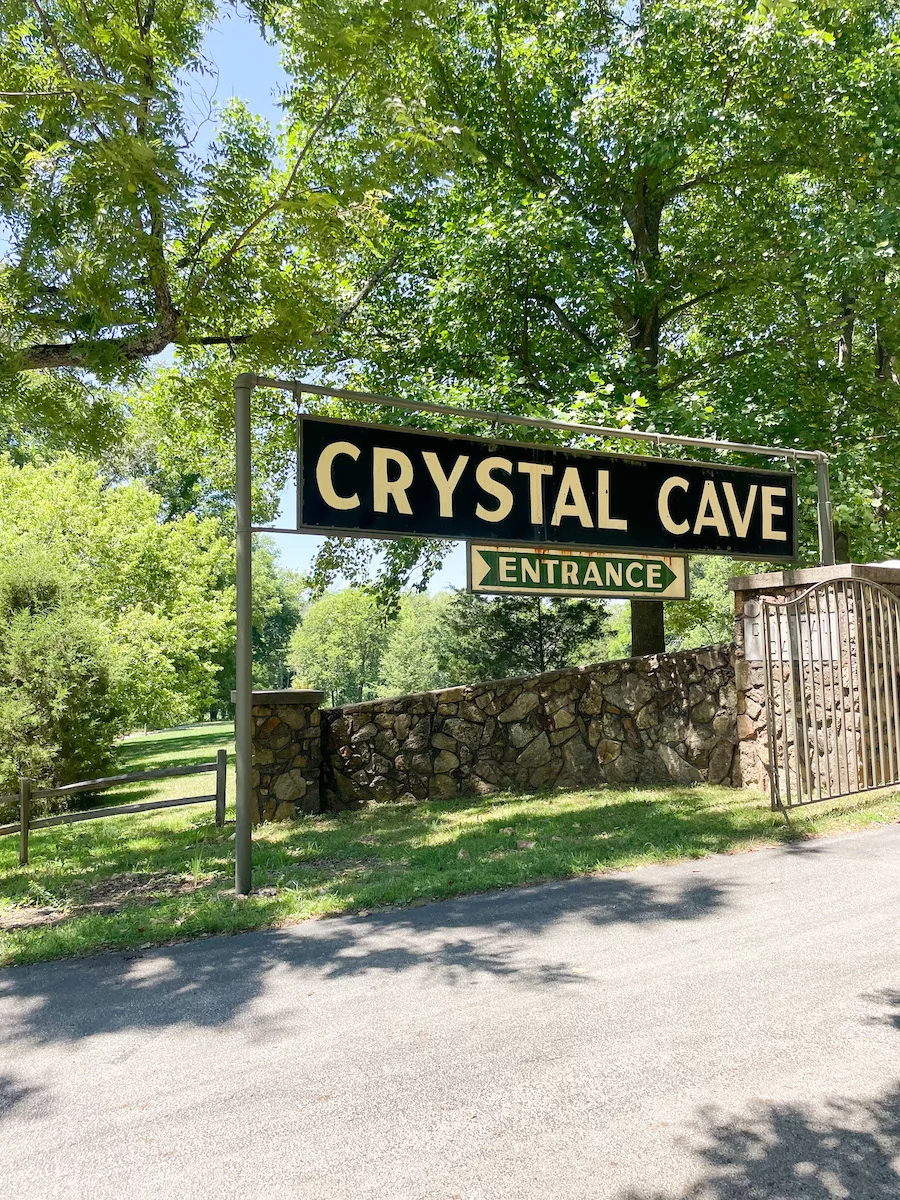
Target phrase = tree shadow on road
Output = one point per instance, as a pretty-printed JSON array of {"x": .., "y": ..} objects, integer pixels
[
  {"x": 844, "y": 1149},
  {"x": 211, "y": 982},
  {"x": 890, "y": 998},
  {"x": 847, "y": 1150},
  {"x": 13, "y": 1094}
]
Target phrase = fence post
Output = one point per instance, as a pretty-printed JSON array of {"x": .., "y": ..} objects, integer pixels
[
  {"x": 221, "y": 782},
  {"x": 24, "y": 819}
]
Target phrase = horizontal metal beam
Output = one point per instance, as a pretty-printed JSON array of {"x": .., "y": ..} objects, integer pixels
[{"x": 297, "y": 388}]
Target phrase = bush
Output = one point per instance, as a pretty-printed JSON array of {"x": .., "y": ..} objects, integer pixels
[{"x": 60, "y": 702}]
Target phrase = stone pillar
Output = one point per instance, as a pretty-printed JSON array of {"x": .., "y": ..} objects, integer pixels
[
  {"x": 753, "y": 743},
  {"x": 287, "y": 754}
]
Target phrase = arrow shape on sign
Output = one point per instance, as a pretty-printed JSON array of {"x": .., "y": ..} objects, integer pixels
[{"x": 513, "y": 569}]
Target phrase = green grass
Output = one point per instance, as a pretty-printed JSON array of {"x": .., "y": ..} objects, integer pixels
[{"x": 135, "y": 881}]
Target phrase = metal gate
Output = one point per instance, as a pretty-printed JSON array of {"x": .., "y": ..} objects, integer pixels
[{"x": 832, "y": 659}]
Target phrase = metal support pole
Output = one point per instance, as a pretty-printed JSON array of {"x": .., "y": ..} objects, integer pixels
[
  {"x": 243, "y": 850},
  {"x": 826, "y": 522}
]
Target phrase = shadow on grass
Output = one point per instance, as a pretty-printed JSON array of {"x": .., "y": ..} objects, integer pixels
[
  {"x": 400, "y": 854},
  {"x": 133, "y": 793},
  {"x": 196, "y": 747}
]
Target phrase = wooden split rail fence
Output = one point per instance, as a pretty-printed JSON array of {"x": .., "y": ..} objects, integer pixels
[{"x": 26, "y": 794}]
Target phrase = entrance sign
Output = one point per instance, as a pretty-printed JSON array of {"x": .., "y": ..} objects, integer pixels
[
  {"x": 501, "y": 570},
  {"x": 378, "y": 481},
  {"x": 502, "y": 491}
]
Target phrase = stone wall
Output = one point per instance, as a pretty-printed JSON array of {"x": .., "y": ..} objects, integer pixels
[
  {"x": 287, "y": 759},
  {"x": 661, "y": 719},
  {"x": 696, "y": 716}
]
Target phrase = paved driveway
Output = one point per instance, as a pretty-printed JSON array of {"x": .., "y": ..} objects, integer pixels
[{"x": 727, "y": 1028}]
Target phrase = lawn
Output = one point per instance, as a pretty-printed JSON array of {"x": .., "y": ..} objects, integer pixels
[{"x": 143, "y": 880}]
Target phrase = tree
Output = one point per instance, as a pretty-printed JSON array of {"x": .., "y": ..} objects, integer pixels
[
  {"x": 707, "y": 617},
  {"x": 338, "y": 645},
  {"x": 413, "y": 657},
  {"x": 277, "y": 608},
  {"x": 163, "y": 590},
  {"x": 276, "y": 614},
  {"x": 681, "y": 213},
  {"x": 127, "y": 229},
  {"x": 507, "y": 636}
]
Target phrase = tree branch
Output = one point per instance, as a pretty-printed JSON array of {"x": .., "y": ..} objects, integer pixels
[
  {"x": 37, "y": 95},
  {"x": 49, "y": 355},
  {"x": 723, "y": 358},
  {"x": 698, "y": 299},
  {"x": 568, "y": 325},
  {"x": 718, "y": 177},
  {"x": 367, "y": 288},
  {"x": 187, "y": 260},
  {"x": 157, "y": 270},
  {"x": 486, "y": 153},
  {"x": 283, "y": 194},
  {"x": 511, "y": 114},
  {"x": 78, "y": 354},
  {"x": 63, "y": 62}
]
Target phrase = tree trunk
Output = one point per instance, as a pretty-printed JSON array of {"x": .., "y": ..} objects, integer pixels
[
  {"x": 648, "y": 635},
  {"x": 885, "y": 363},
  {"x": 845, "y": 341},
  {"x": 643, "y": 216}
]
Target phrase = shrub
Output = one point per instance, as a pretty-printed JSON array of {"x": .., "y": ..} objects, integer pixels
[{"x": 60, "y": 701}]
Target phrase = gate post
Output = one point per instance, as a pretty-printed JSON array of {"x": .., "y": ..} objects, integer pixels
[
  {"x": 749, "y": 678},
  {"x": 287, "y": 754},
  {"x": 24, "y": 819}
]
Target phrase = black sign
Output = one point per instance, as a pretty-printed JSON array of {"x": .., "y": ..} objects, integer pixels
[{"x": 377, "y": 481}]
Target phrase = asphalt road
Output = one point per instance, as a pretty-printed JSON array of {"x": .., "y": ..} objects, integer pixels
[{"x": 725, "y": 1028}]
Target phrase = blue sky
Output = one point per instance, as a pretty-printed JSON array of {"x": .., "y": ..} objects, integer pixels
[{"x": 248, "y": 68}]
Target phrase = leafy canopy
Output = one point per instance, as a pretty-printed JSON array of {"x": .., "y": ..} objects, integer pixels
[
  {"x": 128, "y": 224},
  {"x": 507, "y": 636},
  {"x": 681, "y": 214},
  {"x": 162, "y": 591},
  {"x": 338, "y": 646}
]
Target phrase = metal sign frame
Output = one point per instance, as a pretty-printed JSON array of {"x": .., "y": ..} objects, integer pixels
[{"x": 244, "y": 386}]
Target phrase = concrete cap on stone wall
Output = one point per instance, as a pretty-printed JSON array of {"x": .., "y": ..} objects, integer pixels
[
  {"x": 286, "y": 696},
  {"x": 888, "y": 573}
]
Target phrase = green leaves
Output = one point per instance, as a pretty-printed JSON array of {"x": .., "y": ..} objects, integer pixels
[
  {"x": 677, "y": 202},
  {"x": 666, "y": 217},
  {"x": 161, "y": 592}
]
